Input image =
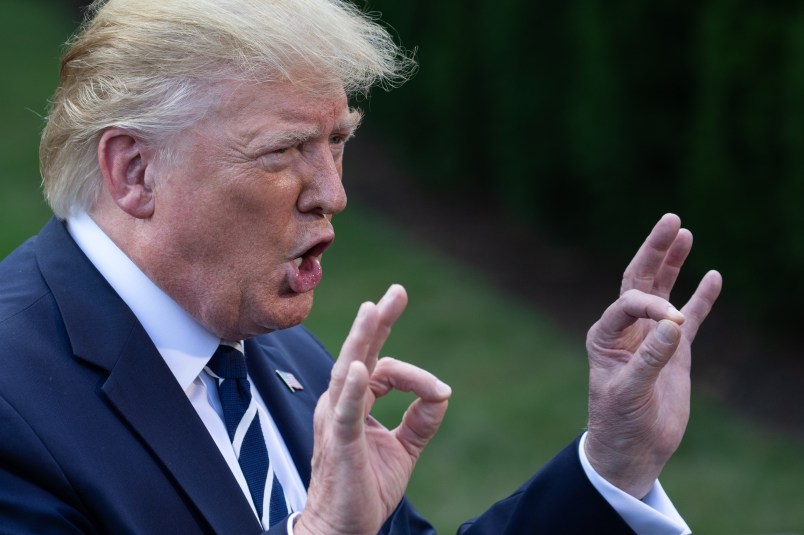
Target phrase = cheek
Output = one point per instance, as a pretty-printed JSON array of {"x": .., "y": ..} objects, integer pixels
[
  {"x": 264, "y": 205},
  {"x": 248, "y": 214}
]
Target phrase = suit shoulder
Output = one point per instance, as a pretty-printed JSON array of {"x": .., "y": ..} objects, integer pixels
[
  {"x": 299, "y": 341},
  {"x": 21, "y": 282}
]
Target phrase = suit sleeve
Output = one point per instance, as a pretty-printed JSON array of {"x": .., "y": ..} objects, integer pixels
[
  {"x": 558, "y": 499},
  {"x": 280, "y": 528}
]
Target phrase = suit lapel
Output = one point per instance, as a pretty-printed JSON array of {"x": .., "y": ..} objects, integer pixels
[
  {"x": 148, "y": 397},
  {"x": 104, "y": 332},
  {"x": 292, "y": 411}
]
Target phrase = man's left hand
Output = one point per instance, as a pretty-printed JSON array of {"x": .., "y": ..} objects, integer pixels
[{"x": 639, "y": 358}]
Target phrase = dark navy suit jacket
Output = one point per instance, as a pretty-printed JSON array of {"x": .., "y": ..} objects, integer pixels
[{"x": 96, "y": 436}]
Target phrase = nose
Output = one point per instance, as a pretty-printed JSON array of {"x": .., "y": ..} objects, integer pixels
[{"x": 323, "y": 192}]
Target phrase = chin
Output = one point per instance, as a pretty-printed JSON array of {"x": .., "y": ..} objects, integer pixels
[
  {"x": 263, "y": 316},
  {"x": 289, "y": 312}
]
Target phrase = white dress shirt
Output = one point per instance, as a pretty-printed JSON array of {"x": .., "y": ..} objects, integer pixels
[
  {"x": 186, "y": 347},
  {"x": 654, "y": 515}
]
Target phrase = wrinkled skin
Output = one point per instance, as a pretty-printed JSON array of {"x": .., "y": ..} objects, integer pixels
[
  {"x": 360, "y": 468},
  {"x": 639, "y": 360}
]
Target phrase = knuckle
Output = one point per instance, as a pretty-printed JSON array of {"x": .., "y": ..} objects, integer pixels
[
  {"x": 629, "y": 273},
  {"x": 630, "y": 295},
  {"x": 387, "y": 361},
  {"x": 653, "y": 356},
  {"x": 591, "y": 335}
]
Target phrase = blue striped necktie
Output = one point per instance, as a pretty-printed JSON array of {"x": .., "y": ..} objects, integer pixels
[{"x": 228, "y": 365}]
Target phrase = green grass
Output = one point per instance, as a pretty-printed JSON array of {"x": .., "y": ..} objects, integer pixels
[{"x": 519, "y": 382}]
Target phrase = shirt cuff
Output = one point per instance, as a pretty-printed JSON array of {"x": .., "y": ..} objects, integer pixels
[
  {"x": 291, "y": 521},
  {"x": 655, "y": 514}
]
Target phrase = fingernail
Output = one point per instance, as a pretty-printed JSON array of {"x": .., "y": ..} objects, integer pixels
[
  {"x": 443, "y": 389},
  {"x": 674, "y": 312},
  {"x": 666, "y": 332}
]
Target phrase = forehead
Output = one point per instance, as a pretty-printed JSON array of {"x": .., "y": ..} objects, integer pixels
[{"x": 245, "y": 110}]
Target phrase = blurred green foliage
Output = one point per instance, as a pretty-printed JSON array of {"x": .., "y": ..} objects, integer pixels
[
  {"x": 31, "y": 34},
  {"x": 589, "y": 119}
]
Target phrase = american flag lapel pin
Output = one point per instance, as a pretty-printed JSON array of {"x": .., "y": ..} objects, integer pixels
[{"x": 290, "y": 380}]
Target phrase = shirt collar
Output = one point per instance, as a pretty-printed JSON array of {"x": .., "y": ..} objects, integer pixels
[{"x": 184, "y": 343}]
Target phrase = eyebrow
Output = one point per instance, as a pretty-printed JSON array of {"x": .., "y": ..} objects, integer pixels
[
  {"x": 291, "y": 137},
  {"x": 296, "y": 136},
  {"x": 351, "y": 122}
]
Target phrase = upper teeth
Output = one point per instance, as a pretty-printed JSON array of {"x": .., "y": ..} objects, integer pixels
[{"x": 298, "y": 262}]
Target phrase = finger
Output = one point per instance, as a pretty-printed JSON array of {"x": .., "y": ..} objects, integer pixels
[
  {"x": 655, "y": 352},
  {"x": 390, "y": 307},
  {"x": 641, "y": 272},
  {"x": 419, "y": 424},
  {"x": 355, "y": 347},
  {"x": 349, "y": 414},
  {"x": 700, "y": 304},
  {"x": 423, "y": 417},
  {"x": 670, "y": 268},
  {"x": 624, "y": 312},
  {"x": 392, "y": 374}
]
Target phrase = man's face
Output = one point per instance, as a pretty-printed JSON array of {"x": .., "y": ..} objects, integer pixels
[{"x": 244, "y": 207}]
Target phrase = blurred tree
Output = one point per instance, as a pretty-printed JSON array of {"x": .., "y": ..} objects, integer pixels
[{"x": 588, "y": 119}]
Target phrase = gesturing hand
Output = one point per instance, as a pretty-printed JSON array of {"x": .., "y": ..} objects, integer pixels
[
  {"x": 361, "y": 469},
  {"x": 639, "y": 359}
]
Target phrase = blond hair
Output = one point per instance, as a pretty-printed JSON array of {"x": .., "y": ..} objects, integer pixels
[{"x": 145, "y": 66}]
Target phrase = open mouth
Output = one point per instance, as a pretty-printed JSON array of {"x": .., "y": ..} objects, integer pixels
[
  {"x": 313, "y": 252},
  {"x": 306, "y": 272}
]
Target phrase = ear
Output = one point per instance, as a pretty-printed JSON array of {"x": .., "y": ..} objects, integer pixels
[{"x": 123, "y": 161}]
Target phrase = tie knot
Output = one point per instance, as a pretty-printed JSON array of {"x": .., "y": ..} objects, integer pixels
[{"x": 228, "y": 363}]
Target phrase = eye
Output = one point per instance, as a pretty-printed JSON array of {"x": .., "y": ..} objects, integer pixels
[
  {"x": 276, "y": 158},
  {"x": 338, "y": 139},
  {"x": 286, "y": 149}
]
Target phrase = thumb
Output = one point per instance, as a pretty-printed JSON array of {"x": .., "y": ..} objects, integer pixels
[{"x": 656, "y": 351}]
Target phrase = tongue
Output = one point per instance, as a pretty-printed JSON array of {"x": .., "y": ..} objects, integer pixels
[{"x": 307, "y": 276}]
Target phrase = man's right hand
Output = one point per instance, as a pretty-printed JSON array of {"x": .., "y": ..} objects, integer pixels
[{"x": 361, "y": 469}]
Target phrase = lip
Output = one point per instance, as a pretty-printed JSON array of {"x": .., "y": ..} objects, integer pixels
[
  {"x": 304, "y": 271},
  {"x": 316, "y": 248}
]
